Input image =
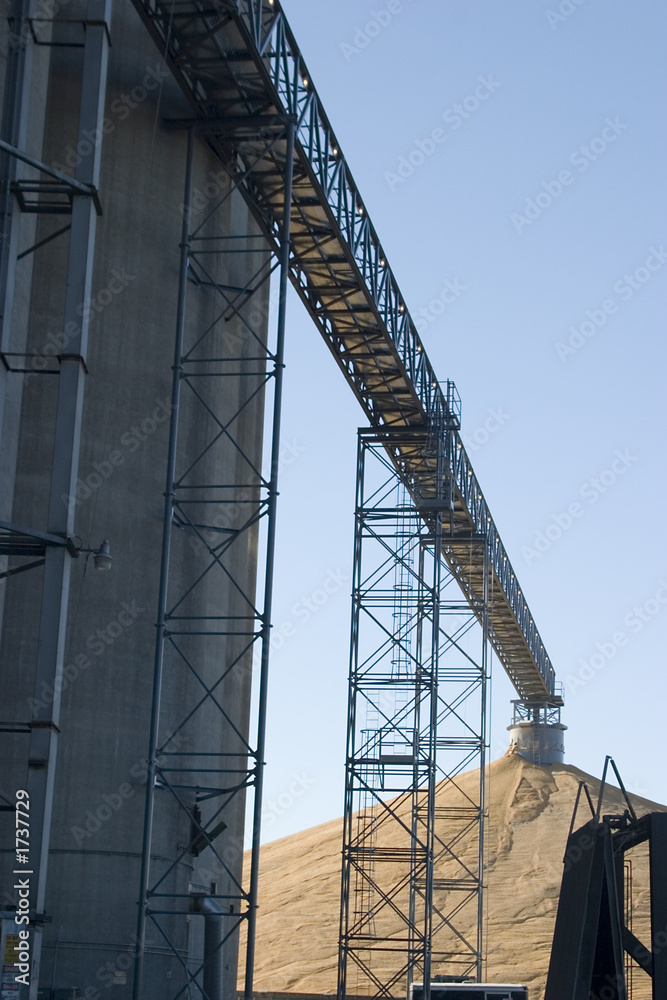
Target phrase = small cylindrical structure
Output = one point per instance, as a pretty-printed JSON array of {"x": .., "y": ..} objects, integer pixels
[
  {"x": 537, "y": 734},
  {"x": 214, "y": 935}
]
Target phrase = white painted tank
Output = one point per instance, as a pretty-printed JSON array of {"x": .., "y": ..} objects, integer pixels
[
  {"x": 537, "y": 734},
  {"x": 540, "y": 744}
]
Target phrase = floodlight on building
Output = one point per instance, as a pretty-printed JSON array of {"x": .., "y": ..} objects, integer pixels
[{"x": 102, "y": 556}]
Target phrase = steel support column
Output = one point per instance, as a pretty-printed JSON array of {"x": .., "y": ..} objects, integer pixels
[
  {"x": 658, "y": 883},
  {"x": 14, "y": 131},
  {"x": 270, "y": 559},
  {"x": 44, "y": 728},
  {"x": 411, "y": 902}
]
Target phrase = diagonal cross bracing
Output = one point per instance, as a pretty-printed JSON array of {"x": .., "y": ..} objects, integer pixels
[
  {"x": 412, "y": 883},
  {"x": 238, "y": 63}
]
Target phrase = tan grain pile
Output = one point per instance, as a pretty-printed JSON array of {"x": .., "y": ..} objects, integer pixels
[{"x": 530, "y": 809}]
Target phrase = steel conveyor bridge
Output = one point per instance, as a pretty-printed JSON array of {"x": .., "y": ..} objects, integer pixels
[
  {"x": 253, "y": 103},
  {"x": 241, "y": 70}
]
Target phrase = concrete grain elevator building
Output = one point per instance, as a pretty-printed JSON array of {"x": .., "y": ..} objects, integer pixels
[{"x": 93, "y": 298}]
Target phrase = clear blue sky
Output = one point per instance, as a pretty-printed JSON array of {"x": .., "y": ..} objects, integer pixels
[{"x": 542, "y": 202}]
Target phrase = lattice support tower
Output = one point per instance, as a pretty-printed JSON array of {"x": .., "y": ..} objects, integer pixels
[
  {"x": 413, "y": 868},
  {"x": 218, "y": 503}
]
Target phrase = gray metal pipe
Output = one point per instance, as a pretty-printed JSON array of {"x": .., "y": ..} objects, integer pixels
[{"x": 214, "y": 935}]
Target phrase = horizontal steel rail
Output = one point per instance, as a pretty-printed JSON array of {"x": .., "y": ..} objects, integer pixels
[{"x": 241, "y": 70}]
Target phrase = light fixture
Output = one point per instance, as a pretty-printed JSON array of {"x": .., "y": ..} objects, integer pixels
[{"x": 102, "y": 556}]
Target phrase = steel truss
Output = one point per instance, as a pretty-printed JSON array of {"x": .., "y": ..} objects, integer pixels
[
  {"x": 76, "y": 196},
  {"x": 413, "y": 846},
  {"x": 239, "y": 57},
  {"x": 210, "y": 626}
]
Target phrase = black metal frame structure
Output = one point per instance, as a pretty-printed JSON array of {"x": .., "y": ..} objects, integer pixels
[
  {"x": 593, "y": 935},
  {"x": 411, "y": 902}
]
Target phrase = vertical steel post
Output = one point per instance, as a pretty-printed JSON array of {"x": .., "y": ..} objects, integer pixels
[
  {"x": 279, "y": 363},
  {"x": 484, "y": 670},
  {"x": 351, "y": 723},
  {"x": 44, "y": 728},
  {"x": 433, "y": 722},
  {"x": 658, "y": 882},
  {"x": 18, "y": 78},
  {"x": 164, "y": 572},
  {"x": 422, "y": 604}
]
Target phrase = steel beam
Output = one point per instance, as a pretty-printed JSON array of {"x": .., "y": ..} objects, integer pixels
[
  {"x": 44, "y": 728},
  {"x": 658, "y": 878},
  {"x": 279, "y": 364},
  {"x": 18, "y": 80}
]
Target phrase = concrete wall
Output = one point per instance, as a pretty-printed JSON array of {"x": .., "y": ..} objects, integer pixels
[{"x": 100, "y": 784}]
